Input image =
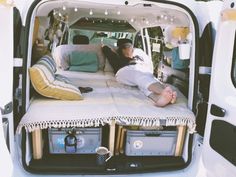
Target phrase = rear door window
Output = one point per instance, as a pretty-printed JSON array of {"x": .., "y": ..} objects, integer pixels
[{"x": 233, "y": 72}]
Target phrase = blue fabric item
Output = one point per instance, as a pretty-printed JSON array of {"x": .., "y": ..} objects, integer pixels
[
  {"x": 177, "y": 63},
  {"x": 83, "y": 61}
]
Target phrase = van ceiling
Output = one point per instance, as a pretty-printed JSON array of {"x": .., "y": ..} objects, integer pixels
[{"x": 138, "y": 16}]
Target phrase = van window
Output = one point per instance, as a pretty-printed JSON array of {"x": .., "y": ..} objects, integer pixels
[
  {"x": 233, "y": 72},
  {"x": 99, "y": 37},
  {"x": 156, "y": 41}
]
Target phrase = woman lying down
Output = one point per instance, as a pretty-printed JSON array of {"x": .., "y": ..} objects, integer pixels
[{"x": 134, "y": 68}]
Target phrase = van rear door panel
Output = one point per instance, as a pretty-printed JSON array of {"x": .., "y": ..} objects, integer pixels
[{"x": 219, "y": 141}]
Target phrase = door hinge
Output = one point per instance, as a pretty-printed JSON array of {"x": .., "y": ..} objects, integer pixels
[
  {"x": 204, "y": 70},
  {"x": 18, "y": 62},
  {"x": 8, "y": 108}
]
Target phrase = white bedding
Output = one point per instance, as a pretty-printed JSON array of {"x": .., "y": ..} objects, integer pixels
[{"x": 108, "y": 101}]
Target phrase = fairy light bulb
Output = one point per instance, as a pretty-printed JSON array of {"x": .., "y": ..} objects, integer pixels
[
  {"x": 118, "y": 12},
  {"x": 131, "y": 20},
  {"x": 91, "y": 12},
  {"x": 106, "y": 12},
  {"x": 59, "y": 14},
  {"x": 76, "y": 9},
  {"x": 64, "y": 8}
]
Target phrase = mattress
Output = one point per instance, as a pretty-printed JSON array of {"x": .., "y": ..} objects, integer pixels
[{"x": 108, "y": 101}]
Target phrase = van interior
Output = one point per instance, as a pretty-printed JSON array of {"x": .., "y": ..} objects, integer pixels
[{"x": 59, "y": 135}]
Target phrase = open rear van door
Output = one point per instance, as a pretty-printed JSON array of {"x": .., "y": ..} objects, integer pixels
[
  {"x": 219, "y": 150},
  {"x": 6, "y": 82}
]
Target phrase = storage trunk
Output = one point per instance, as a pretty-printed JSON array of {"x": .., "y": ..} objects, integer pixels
[
  {"x": 150, "y": 143},
  {"x": 74, "y": 141}
]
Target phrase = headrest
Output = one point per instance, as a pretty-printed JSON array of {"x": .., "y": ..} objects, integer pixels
[
  {"x": 122, "y": 43},
  {"x": 80, "y": 39}
]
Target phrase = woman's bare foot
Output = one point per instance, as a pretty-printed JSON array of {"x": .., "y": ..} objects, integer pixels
[
  {"x": 162, "y": 99},
  {"x": 174, "y": 98},
  {"x": 174, "y": 94}
]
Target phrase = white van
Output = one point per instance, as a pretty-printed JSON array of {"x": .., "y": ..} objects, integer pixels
[{"x": 49, "y": 128}]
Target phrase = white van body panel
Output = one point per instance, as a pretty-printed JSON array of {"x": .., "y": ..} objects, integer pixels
[
  {"x": 222, "y": 94},
  {"x": 6, "y": 165},
  {"x": 6, "y": 80}
]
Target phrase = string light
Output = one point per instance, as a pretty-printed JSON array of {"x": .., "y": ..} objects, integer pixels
[
  {"x": 64, "y": 8},
  {"x": 90, "y": 12},
  {"x": 162, "y": 16},
  {"x": 59, "y": 14},
  {"x": 118, "y": 12},
  {"x": 106, "y": 12},
  {"x": 147, "y": 22},
  {"x": 131, "y": 20},
  {"x": 166, "y": 18},
  {"x": 76, "y": 9}
]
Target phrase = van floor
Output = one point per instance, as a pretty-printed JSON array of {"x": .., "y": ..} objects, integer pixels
[{"x": 118, "y": 164}]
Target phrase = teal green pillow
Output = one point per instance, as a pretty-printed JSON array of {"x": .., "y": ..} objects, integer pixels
[{"x": 83, "y": 61}]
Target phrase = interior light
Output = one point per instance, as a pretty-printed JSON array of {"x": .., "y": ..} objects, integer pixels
[
  {"x": 106, "y": 12},
  {"x": 118, "y": 12},
  {"x": 90, "y": 12},
  {"x": 76, "y": 9},
  {"x": 64, "y": 7}
]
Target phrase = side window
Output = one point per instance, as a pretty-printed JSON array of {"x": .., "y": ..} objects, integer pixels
[
  {"x": 156, "y": 42},
  {"x": 233, "y": 72},
  {"x": 138, "y": 43},
  {"x": 17, "y": 33}
]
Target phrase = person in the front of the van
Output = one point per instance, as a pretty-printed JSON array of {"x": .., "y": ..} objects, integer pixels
[{"x": 133, "y": 67}]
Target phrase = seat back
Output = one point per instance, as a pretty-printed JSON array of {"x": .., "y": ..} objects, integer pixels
[
  {"x": 62, "y": 52},
  {"x": 80, "y": 39}
]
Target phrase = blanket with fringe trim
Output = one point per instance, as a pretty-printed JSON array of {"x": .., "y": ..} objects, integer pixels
[{"x": 126, "y": 105}]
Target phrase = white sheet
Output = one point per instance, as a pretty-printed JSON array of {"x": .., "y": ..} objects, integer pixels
[{"x": 109, "y": 100}]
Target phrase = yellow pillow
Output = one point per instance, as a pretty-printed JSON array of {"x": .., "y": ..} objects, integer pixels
[{"x": 45, "y": 83}]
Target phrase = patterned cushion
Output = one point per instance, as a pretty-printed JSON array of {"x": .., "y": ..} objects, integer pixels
[
  {"x": 46, "y": 83},
  {"x": 48, "y": 62}
]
